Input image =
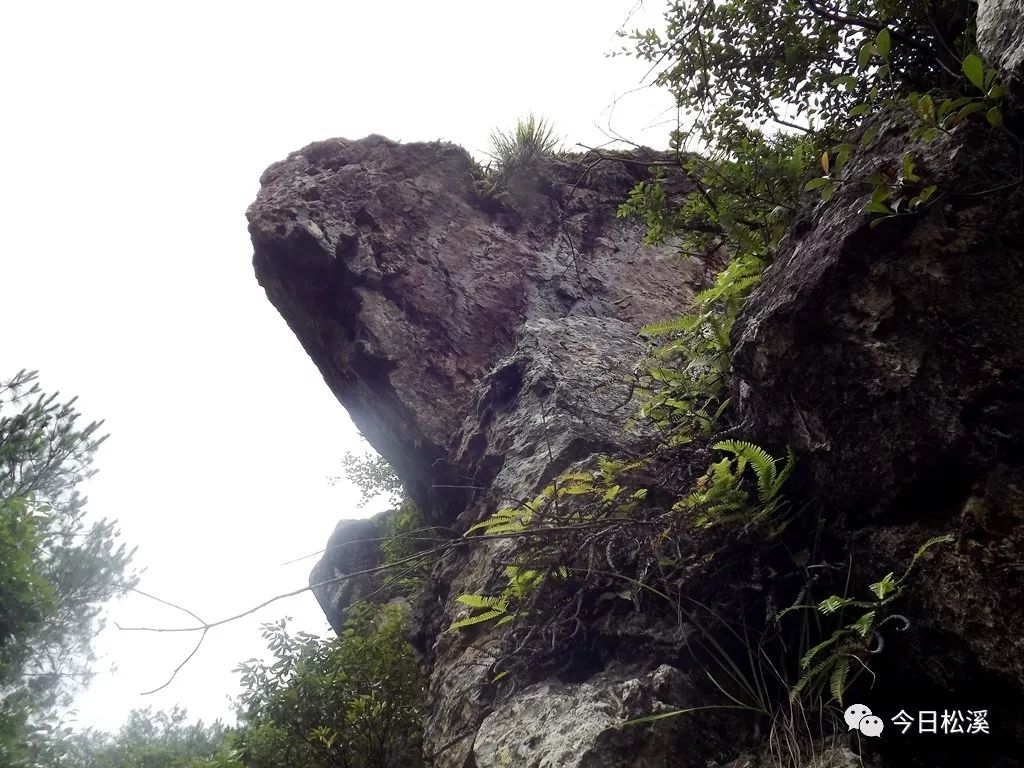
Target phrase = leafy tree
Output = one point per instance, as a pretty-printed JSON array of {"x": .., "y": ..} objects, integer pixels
[
  {"x": 354, "y": 701},
  {"x": 736, "y": 63},
  {"x": 373, "y": 475},
  {"x": 56, "y": 569},
  {"x": 147, "y": 740}
]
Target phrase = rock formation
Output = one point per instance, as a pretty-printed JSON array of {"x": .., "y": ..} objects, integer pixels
[
  {"x": 485, "y": 342},
  {"x": 482, "y": 346}
]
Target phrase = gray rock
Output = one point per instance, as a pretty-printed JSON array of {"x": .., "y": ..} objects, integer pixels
[
  {"x": 406, "y": 286},
  {"x": 482, "y": 344},
  {"x": 558, "y": 725},
  {"x": 890, "y": 359},
  {"x": 1000, "y": 34},
  {"x": 353, "y": 547}
]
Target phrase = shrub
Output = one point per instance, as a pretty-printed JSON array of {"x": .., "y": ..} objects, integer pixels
[{"x": 355, "y": 700}]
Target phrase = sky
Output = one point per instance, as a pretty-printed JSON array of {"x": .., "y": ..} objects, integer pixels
[{"x": 133, "y": 135}]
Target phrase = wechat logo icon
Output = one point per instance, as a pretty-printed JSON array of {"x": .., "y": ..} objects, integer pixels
[{"x": 858, "y": 717}]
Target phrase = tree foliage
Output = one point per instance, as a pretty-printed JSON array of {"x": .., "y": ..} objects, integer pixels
[
  {"x": 374, "y": 476},
  {"x": 354, "y": 701},
  {"x": 737, "y": 63},
  {"x": 57, "y": 569},
  {"x": 148, "y": 739}
]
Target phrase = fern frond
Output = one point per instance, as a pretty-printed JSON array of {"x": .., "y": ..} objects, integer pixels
[
  {"x": 477, "y": 601},
  {"x": 667, "y": 327},
  {"x": 807, "y": 658},
  {"x": 812, "y": 675},
  {"x": 784, "y": 474},
  {"x": 480, "y": 618},
  {"x": 944, "y": 539},
  {"x": 760, "y": 460},
  {"x": 837, "y": 680}
]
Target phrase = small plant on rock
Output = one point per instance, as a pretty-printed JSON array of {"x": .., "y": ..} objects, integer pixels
[{"x": 532, "y": 139}]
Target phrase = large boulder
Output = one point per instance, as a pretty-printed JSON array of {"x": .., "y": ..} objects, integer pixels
[
  {"x": 406, "y": 284},
  {"x": 483, "y": 341},
  {"x": 891, "y": 359}
]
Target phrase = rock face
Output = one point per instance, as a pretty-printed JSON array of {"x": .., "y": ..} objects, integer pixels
[
  {"x": 406, "y": 285},
  {"x": 1000, "y": 36},
  {"x": 485, "y": 343},
  {"x": 482, "y": 345},
  {"x": 891, "y": 360},
  {"x": 350, "y": 550}
]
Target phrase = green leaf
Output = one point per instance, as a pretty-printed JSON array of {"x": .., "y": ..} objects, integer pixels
[
  {"x": 837, "y": 682},
  {"x": 908, "y": 168},
  {"x": 996, "y": 92},
  {"x": 882, "y": 43},
  {"x": 478, "y": 619},
  {"x": 864, "y": 57},
  {"x": 926, "y": 193},
  {"x": 876, "y": 207},
  {"x": 995, "y": 117},
  {"x": 935, "y": 540},
  {"x": 990, "y": 79},
  {"x": 863, "y": 625},
  {"x": 868, "y": 137},
  {"x": 974, "y": 68},
  {"x": 833, "y": 604},
  {"x": 849, "y": 82},
  {"x": 843, "y": 152},
  {"x": 970, "y": 109},
  {"x": 816, "y": 183}
]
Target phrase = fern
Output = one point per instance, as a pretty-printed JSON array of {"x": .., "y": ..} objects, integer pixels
[
  {"x": 769, "y": 477},
  {"x": 854, "y": 637},
  {"x": 837, "y": 680},
  {"x": 685, "y": 379},
  {"x": 479, "y": 618},
  {"x": 720, "y": 496}
]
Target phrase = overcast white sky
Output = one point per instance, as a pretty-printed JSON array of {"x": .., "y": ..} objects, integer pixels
[{"x": 132, "y": 139}]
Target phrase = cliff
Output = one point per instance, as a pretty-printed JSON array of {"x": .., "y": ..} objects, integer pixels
[{"x": 487, "y": 345}]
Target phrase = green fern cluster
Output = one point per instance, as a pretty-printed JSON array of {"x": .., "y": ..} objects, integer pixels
[
  {"x": 606, "y": 500},
  {"x": 685, "y": 381},
  {"x": 829, "y": 662},
  {"x": 521, "y": 582},
  {"x": 721, "y": 496}
]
